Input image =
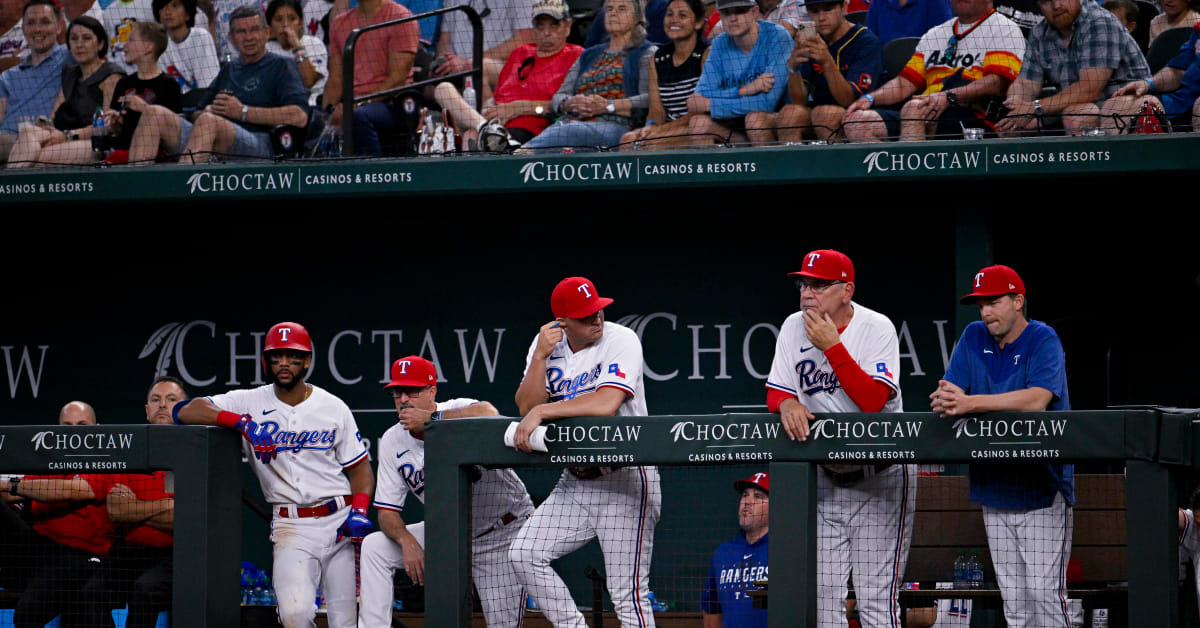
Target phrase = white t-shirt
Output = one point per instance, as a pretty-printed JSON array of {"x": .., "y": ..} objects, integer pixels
[
  {"x": 615, "y": 361},
  {"x": 193, "y": 61},
  {"x": 118, "y": 23},
  {"x": 504, "y": 20},
  {"x": 314, "y": 12},
  {"x": 801, "y": 369},
  {"x": 402, "y": 471},
  {"x": 317, "y": 55},
  {"x": 315, "y": 442},
  {"x": 12, "y": 43}
]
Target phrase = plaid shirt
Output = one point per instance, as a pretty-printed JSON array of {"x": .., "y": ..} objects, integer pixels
[{"x": 1098, "y": 41}]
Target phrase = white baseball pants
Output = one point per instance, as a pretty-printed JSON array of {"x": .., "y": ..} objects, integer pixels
[
  {"x": 307, "y": 556},
  {"x": 1030, "y": 550}
]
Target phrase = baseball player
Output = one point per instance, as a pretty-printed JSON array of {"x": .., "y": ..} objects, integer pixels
[
  {"x": 309, "y": 459},
  {"x": 580, "y": 365},
  {"x": 738, "y": 563},
  {"x": 1007, "y": 362},
  {"x": 835, "y": 355},
  {"x": 499, "y": 505}
]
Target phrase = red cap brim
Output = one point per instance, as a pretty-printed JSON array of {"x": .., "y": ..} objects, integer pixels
[{"x": 593, "y": 306}]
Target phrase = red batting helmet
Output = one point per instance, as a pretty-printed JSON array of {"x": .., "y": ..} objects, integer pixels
[{"x": 288, "y": 336}]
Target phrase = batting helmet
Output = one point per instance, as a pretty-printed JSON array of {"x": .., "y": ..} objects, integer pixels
[{"x": 288, "y": 336}]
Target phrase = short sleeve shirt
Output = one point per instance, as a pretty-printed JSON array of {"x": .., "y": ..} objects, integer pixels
[
  {"x": 858, "y": 55},
  {"x": 192, "y": 62},
  {"x": 502, "y": 23},
  {"x": 613, "y": 361},
  {"x": 994, "y": 45},
  {"x": 735, "y": 566},
  {"x": 31, "y": 89},
  {"x": 372, "y": 49},
  {"x": 1098, "y": 41},
  {"x": 80, "y": 524},
  {"x": 272, "y": 81},
  {"x": 527, "y": 76},
  {"x": 1180, "y": 101}
]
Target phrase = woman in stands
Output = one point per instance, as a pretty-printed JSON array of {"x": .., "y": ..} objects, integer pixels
[
  {"x": 286, "y": 19},
  {"x": 673, "y": 78},
  {"x": 608, "y": 88},
  {"x": 86, "y": 86},
  {"x": 1175, "y": 14}
]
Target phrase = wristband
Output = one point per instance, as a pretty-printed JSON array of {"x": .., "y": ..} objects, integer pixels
[
  {"x": 228, "y": 419},
  {"x": 1150, "y": 82},
  {"x": 360, "y": 502},
  {"x": 870, "y": 99},
  {"x": 175, "y": 410},
  {"x": 436, "y": 416},
  {"x": 649, "y": 122}
]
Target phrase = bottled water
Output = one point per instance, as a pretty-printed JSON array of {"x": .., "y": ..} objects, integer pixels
[
  {"x": 469, "y": 92},
  {"x": 960, "y": 571},
  {"x": 975, "y": 568}
]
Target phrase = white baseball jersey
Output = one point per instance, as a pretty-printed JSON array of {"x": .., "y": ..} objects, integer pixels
[
  {"x": 615, "y": 361},
  {"x": 402, "y": 471},
  {"x": 12, "y": 43},
  {"x": 193, "y": 61},
  {"x": 315, "y": 441},
  {"x": 118, "y": 23},
  {"x": 802, "y": 370},
  {"x": 1189, "y": 546},
  {"x": 317, "y": 56}
]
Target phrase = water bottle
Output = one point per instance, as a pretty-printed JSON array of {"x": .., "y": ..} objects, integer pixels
[
  {"x": 469, "y": 93},
  {"x": 99, "y": 131},
  {"x": 960, "y": 571},
  {"x": 976, "y": 569}
]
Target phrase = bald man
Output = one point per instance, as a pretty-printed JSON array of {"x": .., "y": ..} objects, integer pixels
[{"x": 77, "y": 413}]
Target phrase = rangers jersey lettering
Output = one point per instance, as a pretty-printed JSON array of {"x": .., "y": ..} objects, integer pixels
[{"x": 614, "y": 361}]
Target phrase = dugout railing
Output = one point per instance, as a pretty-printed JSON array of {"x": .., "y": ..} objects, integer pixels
[
  {"x": 205, "y": 465},
  {"x": 348, "y": 97},
  {"x": 1148, "y": 441}
]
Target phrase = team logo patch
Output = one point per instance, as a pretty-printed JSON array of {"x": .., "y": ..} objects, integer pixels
[
  {"x": 615, "y": 370},
  {"x": 864, "y": 81},
  {"x": 882, "y": 368}
]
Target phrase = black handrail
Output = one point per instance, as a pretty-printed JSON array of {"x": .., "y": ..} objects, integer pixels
[{"x": 348, "y": 97}]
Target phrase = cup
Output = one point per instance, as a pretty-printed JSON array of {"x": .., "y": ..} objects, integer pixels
[
  {"x": 1093, "y": 131},
  {"x": 972, "y": 133}
]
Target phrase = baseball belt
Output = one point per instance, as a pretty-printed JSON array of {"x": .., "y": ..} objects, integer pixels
[
  {"x": 505, "y": 519},
  {"x": 292, "y": 511},
  {"x": 846, "y": 479},
  {"x": 590, "y": 473}
]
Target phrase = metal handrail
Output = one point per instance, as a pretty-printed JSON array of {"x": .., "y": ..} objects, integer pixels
[{"x": 348, "y": 97}]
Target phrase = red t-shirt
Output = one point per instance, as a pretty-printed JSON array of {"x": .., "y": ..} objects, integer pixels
[
  {"x": 80, "y": 524},
  {"x": 527, "y": 76},
  {"x": 372, "y": 49},
  {"x": 149, "y": 488}
]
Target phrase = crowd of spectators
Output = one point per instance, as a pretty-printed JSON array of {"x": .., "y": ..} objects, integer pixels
[{"x": 78, "y": 74}]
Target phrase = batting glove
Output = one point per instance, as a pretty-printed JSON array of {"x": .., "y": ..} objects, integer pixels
[
  {"x": 257, "y": 435},
  {"x": 357, "y": 525}
]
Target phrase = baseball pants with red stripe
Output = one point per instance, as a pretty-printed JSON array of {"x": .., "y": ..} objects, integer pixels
[{"x": 1030, "y": 550}]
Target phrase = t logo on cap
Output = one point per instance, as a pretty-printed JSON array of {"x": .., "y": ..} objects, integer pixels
[
  {"x": 576, "y": 297},
  {"x": 812, "y": 259},
  {"x": 583, "y": 287},
  {"x": 283, "y": 334},
  {"x": 978, "y": 279},
  {"x": 403, "y": 366}
]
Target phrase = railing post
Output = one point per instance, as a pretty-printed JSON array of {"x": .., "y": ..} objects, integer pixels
[
  {"x": 792, "y": 552},
  {"x": 1152, "y": 529}
]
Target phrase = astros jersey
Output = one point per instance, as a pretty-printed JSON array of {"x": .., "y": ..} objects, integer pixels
[
  {"x": 314, "y": 440},
  {"x": 802, "y": 370},
  {"x": 735, "y": 566},
  {"x": 615, "y": 361},
  {"x": 994, "y": 45},
  {"x": 402, "y": 470}
]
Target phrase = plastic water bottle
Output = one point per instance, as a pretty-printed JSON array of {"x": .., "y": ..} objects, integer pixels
[
  {"x": 99, "y": 131},
  {"x": 960, "y": 571},
  {"x": 976, "y": 571},
  {"x": 469, "y": 93}
]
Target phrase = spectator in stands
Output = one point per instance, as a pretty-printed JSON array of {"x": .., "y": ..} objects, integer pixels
[
  {"x": 72, "y": 9},
  {"x": 1103, "y": 57},
  {"x": 1179, "y": 85},
  {"x": 29, "y": 89},
  {"x": 286, "y": 19},
  {"x": 959, "y": 68},
  {"x": 744, "y": 78},
  {"x": 608, "y": 86},
  {"x": 836, "y": 65},
  {"x": 191, "y": 56},
  {"x": 534, "y": 72},
  {"x": 788, "y": 14},
  {"x": 86, "y": 86},
  {"x": 1175, "y": 14},
  {"x": 893, "y": 19},
  {"x": 223, "y": 12},
  {"x": 59, "y": 553},
  {"x": 506, "y": 25},
  {"x": 119, "y": 18},
  {"x": 77, "y": 413},
  {"x": 12, "y": 39},
  {"x": 246, "y": 100},
  {"x": 741, "y": 561},
  {"x": 1126, "y": 11},
  {"x": 138, "y": 573},
  {"x": 656, "y": 13},
  {"x": 1007, "y": 362},
  {"x": 383, "y": 59},
  {"x": 673, "y": 78}
]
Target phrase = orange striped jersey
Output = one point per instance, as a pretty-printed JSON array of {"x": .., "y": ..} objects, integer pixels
[{"x": 953, "y": 54}]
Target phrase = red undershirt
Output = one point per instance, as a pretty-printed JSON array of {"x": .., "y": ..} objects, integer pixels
[{"x": 868, "y": 393}]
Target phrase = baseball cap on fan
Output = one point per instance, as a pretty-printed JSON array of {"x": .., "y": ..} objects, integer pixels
[
  {"x": 758, "y": 480},
  {"x": 826, "y": 264},
  {"x": 556, "y": 9},
  {"x": 733, "y": 4},
  {"x": 994, "y": 281},
  {"x": 576, "y": 297},
  {"x": 414, "y": 371}
]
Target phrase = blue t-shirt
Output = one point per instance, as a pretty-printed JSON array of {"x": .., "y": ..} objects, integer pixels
[
  {"x": 981, "y": 367},
  {"x": 888, "y": 20},
  {"x": 272, "y": 81},
  {"x": 728, "y": 68},
  {"x": 735, "y": 565},
  {"x": 1181, "y": 100},
  {"x": 31, "y": 89},
  {"x": 859, "y": 56}
]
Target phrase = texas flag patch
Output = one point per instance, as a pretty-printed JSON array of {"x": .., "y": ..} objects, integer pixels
[
  {"x": 882, "y": 368},
  {"x": 615, "y": 370}
]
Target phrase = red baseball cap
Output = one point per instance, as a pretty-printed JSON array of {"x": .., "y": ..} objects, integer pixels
[
  {"x": 758, "y": 480},
  {"x": 827, "y": 264},
  {"x": 414, "y": 371},
  {"x": 576, "y": 297},
  {"x": 994, "y": 281}
]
